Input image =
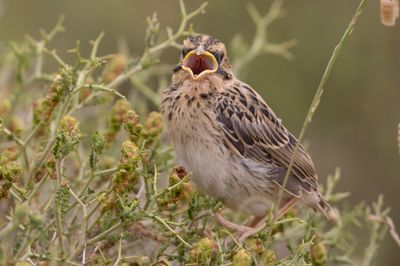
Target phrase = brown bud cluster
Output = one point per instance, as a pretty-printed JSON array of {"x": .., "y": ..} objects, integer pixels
[
  {"x": 154, "y": 124},
  {"x": 389, "y": 12},
  {"x": 132, "y": 125},
  {"x": 43, "y": 108},
  {"x": 125, "y": 178},
  {"x": 67, "y": 138},
  {"x": 181, "y": 193},
  {"x": 116, "y": 118},
  {"x": 10, "y": 170}
]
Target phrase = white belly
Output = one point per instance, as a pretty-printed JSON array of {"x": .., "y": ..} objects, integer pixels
[{"x": 206, "y": 165}]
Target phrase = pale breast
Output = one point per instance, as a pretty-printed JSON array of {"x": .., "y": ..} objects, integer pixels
[{"x": 199, "y": 147}]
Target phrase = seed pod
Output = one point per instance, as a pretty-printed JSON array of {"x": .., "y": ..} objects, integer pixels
[{"x": 389, "y": 12}]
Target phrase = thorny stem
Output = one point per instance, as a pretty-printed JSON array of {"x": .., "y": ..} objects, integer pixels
[
  {"x": 106, "y": 172},
  {"x": 85, "y": 220},
  {"x": 165, "y": 224},
  {"x": 119, "y": 251},
  {"x": 95, "y": 46},
  {"x": 105, "y": 233},
  {"x": 316, "y": 100}
]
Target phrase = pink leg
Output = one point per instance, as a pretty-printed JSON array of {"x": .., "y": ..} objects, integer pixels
[
  {"x": 229, "y": 224},
  {"x": 260, "y": 225}
]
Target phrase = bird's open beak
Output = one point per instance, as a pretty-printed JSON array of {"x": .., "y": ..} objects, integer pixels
[{"x": 199, "y": 62}]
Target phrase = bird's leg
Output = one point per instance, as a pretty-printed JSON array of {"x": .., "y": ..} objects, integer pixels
[
  {"x": 222, "y": 220},
  {"x": 254, "y": 221},
  {"x": 260, "y": 225},
  {"x": 287, "y": 207}
]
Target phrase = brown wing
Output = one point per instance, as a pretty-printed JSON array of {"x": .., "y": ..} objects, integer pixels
[{"x": 252, "y": 130}]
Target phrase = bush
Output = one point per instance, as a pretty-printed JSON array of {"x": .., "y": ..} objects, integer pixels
[{"x": 87, "y": 179}]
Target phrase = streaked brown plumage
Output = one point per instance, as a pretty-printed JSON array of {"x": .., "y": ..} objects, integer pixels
[{"x": 229, "y": 138}]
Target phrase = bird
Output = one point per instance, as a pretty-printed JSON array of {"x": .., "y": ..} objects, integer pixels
[{"x": 226, "y": 135}]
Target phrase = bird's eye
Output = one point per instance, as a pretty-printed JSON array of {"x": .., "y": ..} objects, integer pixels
[{"x": 185, "y": 51}]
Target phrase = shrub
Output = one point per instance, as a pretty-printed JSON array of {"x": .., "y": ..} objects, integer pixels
[{"x": 89, "y": 180}]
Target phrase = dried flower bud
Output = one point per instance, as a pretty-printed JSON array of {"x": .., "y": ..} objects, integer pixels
[
  {"x": 182, "y": 192},
  {"x": 242, "y": 258},
  {"x": 132, "y": 126},
  {"x": 389, "y": 12},
  {"x": 115, "y": 67},
  {"x": 319, "y": 254},
  {"x": 154, "y": 124},
  {"x": 5, "y": 107},
  {"x": 67, "y": 138},
  {"x": 130, "y": 153},
  {"x": 116, "y": 119},
  {"x": 202, "y": 251},
  {"x": 53, "y": 98}
]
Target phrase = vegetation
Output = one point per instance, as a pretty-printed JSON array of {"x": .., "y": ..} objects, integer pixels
[{"x": 87, "y": 179}]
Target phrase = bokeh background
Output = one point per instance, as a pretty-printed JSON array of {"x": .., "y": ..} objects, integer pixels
[{"x": 355, "y": 127}]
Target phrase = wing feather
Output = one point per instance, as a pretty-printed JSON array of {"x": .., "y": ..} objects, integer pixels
[{"x": 253, "y": 130}]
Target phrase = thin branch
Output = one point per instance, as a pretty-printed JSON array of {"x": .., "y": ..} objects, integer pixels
[{"x": 317, "y": 98}]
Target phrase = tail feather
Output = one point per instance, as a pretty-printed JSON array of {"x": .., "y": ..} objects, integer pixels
[{"x": 331, "y": 213}]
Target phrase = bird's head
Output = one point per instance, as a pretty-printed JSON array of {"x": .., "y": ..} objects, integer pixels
[{"x": 202, "y": 56}]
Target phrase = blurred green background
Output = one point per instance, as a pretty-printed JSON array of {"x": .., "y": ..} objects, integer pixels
[{"x": 355, "y": 127}]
